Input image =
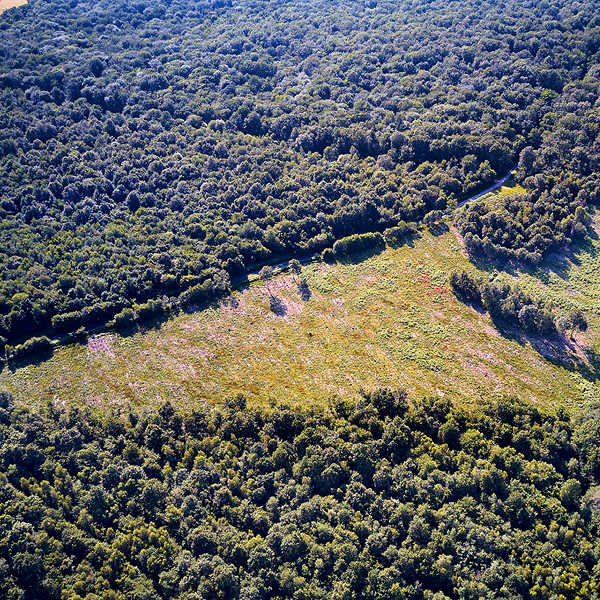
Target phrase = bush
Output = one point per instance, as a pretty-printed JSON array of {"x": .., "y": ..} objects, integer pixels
[
  {"x": 466, "y": 286},
  {"x": 401, "y": 231},
  {"x": 125, "y": 319},
  {"x": 197, "y": 294},
  {"x": 328, "y": 256},
  {"x": 37, "y": 345},
  {"x": 68, "y": 321},
  {"x": 357, "y": 243},
  {"x": 151, "y": 309}
]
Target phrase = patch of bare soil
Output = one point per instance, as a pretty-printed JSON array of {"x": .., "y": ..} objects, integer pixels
[{"x": 459, "y": 239}]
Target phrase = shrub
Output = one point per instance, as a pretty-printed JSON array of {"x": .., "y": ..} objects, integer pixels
[
  {"x": 357, "y": 243},
  {"x": 125, "y": 319},
  {"x": 328, "y": 256},
  {"x": 401, "y": 231},
  {"x": 37, "y": 345}
]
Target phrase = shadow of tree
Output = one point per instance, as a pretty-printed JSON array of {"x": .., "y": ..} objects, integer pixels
[
  {"x": 556, "y": 260},
  {"x": 408, "y": 240},
  {"x": 439, "y": 229},
  {"x": 357, "y": 258},
  {"x": 560, "y": 350},
  {"x": 34, "y": 359},
  {"x": 230, "y": 302},
  {"x": 277, "y": 306},
  {"x": 304, "y": 290}
]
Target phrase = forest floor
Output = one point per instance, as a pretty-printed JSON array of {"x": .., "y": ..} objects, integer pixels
[{"x": 384, "y": 319}]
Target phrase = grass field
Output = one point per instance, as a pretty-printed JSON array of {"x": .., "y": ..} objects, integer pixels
[{"x": 389, "y": 319}]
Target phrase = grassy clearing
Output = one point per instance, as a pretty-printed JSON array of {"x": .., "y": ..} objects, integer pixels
[
  {"x": 509, "y": 188},
  {"x": 388, "y": 320},
  {"x": 571, "y": 279}
]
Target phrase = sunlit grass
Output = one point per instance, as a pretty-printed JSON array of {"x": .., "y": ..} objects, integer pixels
[
  {"x": 387, "y": 320},
  {"x": 6, "y": 4}
]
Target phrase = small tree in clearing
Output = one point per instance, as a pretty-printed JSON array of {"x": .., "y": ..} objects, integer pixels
[
  {"x": 265, "y": 274},
  {"x": 571, "y": 322},
  {"x": 578, "y": 321},
  {"x": 295, "y": 268}
]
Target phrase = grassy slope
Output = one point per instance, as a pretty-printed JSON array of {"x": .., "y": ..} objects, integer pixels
[{"x": 389, "y": 320}]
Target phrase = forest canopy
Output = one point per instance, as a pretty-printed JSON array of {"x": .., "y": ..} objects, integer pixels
[
  {"x": 150, "y": 149},
  {"x": 153, "y": 152},
  {"x": 385, "y": 497}
]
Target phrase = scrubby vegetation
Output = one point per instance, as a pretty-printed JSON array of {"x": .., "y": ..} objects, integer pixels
[
  {"x": 389, "y": 319},
  {"x": 151, "y": 149},
  {"x": 358, "y": 243},
  {"x": 508, "y": 303},
  {"x": 32, "y": 346},
  {"x": 523, "y": 227},
  {"x": 382, "y": 498}
]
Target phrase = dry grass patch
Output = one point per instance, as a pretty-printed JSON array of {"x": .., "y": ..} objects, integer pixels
[{"x": 6, "y": 4}]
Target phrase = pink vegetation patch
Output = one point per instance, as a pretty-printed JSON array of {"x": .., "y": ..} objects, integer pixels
[
  {"x": 100, "y": 346},
  {"x": 200, "y": 352}
]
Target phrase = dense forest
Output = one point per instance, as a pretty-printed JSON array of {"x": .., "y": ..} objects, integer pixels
[
  {"x": 151, "y": 151},
  {"x": 381, "y": 498}
]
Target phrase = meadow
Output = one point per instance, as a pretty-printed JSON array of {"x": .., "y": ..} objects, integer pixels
[{"x": 386, "y": 319}]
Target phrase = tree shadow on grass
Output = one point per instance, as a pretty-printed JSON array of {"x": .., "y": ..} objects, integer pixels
[
  {"x": 439, "y": 229},
  {"x": 232, "y": 302},
  {"x": 480, "y": 310},
  {"x": 304, "y": 291},
  {"x": 558, "y": 261},
  {"x": 560, "y": 350},
  {"x": 407, "y": 240},
  {"x": 34, "y": 360},
  {"x": 277, "y": 306},
  {"x": 354, "y": 259}
]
